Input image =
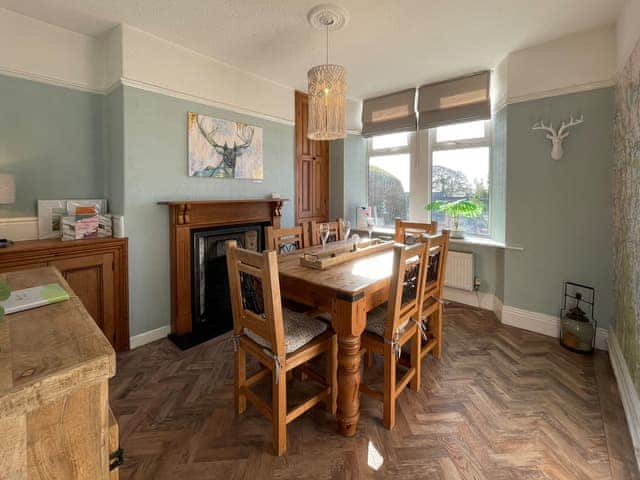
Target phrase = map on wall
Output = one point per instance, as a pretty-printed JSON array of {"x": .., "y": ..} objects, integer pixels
[{"x": 224, "y": 149}]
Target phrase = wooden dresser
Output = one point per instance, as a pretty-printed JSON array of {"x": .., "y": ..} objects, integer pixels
[
  {"x": 96, "y": 270},
  {"x": 54, "y": 369}
]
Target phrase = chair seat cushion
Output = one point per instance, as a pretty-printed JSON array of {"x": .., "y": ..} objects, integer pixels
[
  {"x": 376, "y": 319},
  {"x": 299, "y": 329}
]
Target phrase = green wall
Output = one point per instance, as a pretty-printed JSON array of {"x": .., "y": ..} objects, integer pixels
[
  {"x": 626, "y": 202},
  {"x": 155, "y": 169},
  {"x": 559, "y": 211},
  {"x": 347, "y": 169},
  {"x": 51, "y": 139},
  {"x": 113, "y": 149}
]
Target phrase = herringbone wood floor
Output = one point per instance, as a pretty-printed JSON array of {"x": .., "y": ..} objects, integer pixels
[{"x": 501, "y": 404}]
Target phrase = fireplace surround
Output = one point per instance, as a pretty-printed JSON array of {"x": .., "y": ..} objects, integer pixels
[{"x": 186, "y": 218}]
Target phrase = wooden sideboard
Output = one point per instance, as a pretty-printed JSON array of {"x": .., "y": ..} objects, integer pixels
[
  {"x": 55, "y": 366},
  {"x": 96, "y": 270}
]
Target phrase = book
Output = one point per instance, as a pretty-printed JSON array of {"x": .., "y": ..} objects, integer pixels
[{"x": 33, "y": 297}]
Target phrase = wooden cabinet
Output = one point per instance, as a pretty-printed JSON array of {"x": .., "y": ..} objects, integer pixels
[
  {"x": 312, "y": 169},
  {"x": 96, "y": 270},
  {"x": 55, "y": 367}
]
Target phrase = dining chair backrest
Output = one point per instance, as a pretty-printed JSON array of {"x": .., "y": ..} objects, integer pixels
[
  {"x": 255, "y": 294},
  {"x": 286, "y": 240},
  {"x": 336, "y": 231},
  {"x": 409, "y": 232},
  {"x": 437, "y": 252},
  {"x": 405, "y": 294}
]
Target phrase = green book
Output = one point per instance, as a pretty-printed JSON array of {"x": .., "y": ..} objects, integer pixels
[{"x": 33, "y": 297}]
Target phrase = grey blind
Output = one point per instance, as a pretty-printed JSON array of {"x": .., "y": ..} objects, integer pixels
[
  {"x": 389, "y": 113},
  {"x": 453, "y": 101}
]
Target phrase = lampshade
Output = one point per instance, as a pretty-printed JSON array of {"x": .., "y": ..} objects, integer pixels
[
  {"x": 327, "y": 89},
  {"x": 7, "y": 188}
]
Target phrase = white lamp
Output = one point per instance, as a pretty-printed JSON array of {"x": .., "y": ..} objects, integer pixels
[{"x": 7, "y": 188}]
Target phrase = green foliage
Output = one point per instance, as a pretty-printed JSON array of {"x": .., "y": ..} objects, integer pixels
[
  {"x": 387, "y": 194},
  {"x": 458, "y": 208},
  {"x": 5, "y": 291}
]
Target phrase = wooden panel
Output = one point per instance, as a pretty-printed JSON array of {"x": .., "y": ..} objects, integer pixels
[
  {"x": 311, "y": 169},
  {"x": 13, "y": 447},
  {"x": 97, "y": 270},
  {"x": 67, "y": 438},
  {"x": 114, "y": 442},
  {"x": 91, "y": 278}
]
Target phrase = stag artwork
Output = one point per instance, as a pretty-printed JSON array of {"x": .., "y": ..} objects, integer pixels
[
  {"x": 223, "y": 149},
  {"x": 557, "y": 137}
]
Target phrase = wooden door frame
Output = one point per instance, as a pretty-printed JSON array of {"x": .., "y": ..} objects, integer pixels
[{"x": 298, "y": 95}]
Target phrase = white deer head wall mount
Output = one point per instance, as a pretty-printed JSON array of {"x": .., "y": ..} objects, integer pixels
[{"x": 557, "y": 137}]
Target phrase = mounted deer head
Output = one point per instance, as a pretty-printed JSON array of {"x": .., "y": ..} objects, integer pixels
[{"x": 557, "y": 137}]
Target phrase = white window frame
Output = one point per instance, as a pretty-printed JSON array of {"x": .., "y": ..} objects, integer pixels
[
  {"x": 486, "y": 141},
  {"x": 410, "y": 149}
]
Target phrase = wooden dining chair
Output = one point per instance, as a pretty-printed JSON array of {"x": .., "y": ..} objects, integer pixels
[
  {"x": 278, "y": 338},
  {"x": 336, "y": 231},
  {"x": 409, "y": 232},
  {"x": 437, "y": 247},
  {"x": 396, "y": 323},
  {"x": 287, "y": 240}
]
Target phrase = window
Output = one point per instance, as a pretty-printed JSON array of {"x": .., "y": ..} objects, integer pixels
[
  {"x": 460, "y": 164},
  {"x": 389, "y": 177}
]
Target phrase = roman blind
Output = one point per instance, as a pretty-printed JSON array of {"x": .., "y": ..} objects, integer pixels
[
  {"x": 458, "y": 100},
  {"x": 389, "y": 113}
]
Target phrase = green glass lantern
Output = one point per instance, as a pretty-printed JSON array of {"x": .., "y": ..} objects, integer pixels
[{"x": 577, "y": 324}]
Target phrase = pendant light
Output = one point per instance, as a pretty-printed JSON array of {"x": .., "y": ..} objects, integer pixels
[{"x": 327, "y": 83}]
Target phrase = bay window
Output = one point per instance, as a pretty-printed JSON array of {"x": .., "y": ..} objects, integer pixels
[
  {"x": 389, "y": 176},
  {"x": 460, "y": 170}
]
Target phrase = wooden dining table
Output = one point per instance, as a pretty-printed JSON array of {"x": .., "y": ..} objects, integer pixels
[{"x": 347, "y": 291}]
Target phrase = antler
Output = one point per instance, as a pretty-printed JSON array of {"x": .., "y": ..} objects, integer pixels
[
  {"x": 245, "y": 133},
  {"x": 541, "y": 126},
  {"x": 209, "y": 136},
  {"x": 562, "y": 133}
]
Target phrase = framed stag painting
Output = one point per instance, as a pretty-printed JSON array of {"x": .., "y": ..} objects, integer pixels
[{"x": 224, "y": 149}]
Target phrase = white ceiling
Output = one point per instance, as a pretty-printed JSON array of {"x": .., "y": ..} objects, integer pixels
[{"x": 387, "y": 45}]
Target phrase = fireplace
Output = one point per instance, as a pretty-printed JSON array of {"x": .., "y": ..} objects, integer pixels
[
  {"x": 200, "y": 307},
  {"x": 211, "y": 313}
]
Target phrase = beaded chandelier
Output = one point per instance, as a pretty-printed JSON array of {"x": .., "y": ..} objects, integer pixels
[{"x": 327, "y": 83}]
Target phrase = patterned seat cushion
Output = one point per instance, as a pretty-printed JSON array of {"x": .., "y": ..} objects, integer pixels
[
  {"x": 376, "y": 319},
  {"x": 299, "y": 329}
]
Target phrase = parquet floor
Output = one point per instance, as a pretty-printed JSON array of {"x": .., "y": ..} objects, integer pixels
[{"x": 501, "y": 404}]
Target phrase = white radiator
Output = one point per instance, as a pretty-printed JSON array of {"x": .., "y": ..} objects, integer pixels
[{"x": 459, "y": 273}]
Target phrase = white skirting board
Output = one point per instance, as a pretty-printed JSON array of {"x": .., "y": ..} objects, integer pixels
[
  {"x": 628, "y": 392},
  {"x": 20, "y": 228},
  {"x": 149, "y": 336},
  {"x": 516, "y": 317}
]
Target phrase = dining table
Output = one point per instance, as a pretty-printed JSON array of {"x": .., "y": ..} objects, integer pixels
[{"x": 347, "y": 291}]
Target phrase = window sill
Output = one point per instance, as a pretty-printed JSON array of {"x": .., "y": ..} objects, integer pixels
[
  {"x": 480, "y": 241},
  {"x": 469, "y": 240}
]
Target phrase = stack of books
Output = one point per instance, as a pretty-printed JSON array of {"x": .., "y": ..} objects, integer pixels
[{"x": 80, "y": 227}]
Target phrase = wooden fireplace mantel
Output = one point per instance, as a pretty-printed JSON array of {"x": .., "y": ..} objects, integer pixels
[{"x": 185, "y": 215}]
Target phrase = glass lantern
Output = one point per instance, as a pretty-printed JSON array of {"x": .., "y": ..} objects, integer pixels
[{"x": 577, "y": 326}]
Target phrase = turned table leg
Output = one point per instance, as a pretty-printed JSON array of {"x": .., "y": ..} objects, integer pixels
[{"x": 349, "y": 318}]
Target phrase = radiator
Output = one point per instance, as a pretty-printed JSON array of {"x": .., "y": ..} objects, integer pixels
[{"x": 459, "y": 272}]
